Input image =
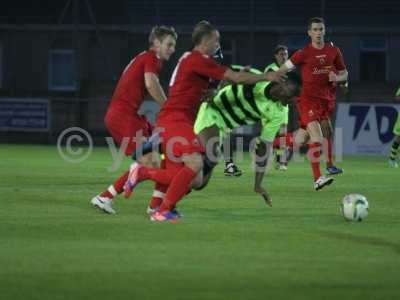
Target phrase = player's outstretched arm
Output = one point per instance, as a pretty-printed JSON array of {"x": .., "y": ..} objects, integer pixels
[
  {"x": 263, "y": 151},
  {"x": 249, "y": 78},
  {"x": 154, "y": 88},
  {"x": 286, "y": 67}
]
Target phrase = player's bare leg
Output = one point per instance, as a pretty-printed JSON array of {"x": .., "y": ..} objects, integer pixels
[
  {"x": 281, "y": 154},
  {"x": 209, "y": 137},
  {"x": 301, "y": 137},
  {"x": 150, "y": 160},
  {"x": 231, "y": 169}
]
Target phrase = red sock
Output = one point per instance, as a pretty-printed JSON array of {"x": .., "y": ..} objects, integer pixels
[
  {"x": 289, "y": 140},
  {"x": 158, "y": 195},
  {"x": 179, "y": 186},
  {"x": 277, "y": 143},
  {"x": 329, "y": 153},
  {"x": 159, "y": 190},
  {"x": 314, "y": 154},
  {"x": 107, "y": 194},
  {"x": 116, "y": 188},
  {"x": 162, "y": 176}
]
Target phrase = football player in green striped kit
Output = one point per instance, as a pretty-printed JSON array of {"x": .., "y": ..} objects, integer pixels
[
  {"x": 394, "y": 151},
  {"x": 280, "y": 57},
  {"x": 237, "y": 105}
]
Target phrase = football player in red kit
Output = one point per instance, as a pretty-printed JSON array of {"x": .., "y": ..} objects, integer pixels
[
  {"x": 122, "y": 120},
  {"x": 321, "y": 66},
  {"x": 181, "y": 147}
]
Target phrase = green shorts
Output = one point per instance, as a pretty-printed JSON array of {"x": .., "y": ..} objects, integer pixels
[
  {"x": 396, "y": 128},
  {"x": 276, "y": 117},
  {"x": 208, "y": 117}
]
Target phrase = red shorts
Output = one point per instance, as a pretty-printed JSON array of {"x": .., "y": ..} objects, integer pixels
[
  {"x": 288, "y": 138},
  {"x": 133, "y": 127},
  {"x": 177, "y": 139},
  {"x": 313, "y": 110}
]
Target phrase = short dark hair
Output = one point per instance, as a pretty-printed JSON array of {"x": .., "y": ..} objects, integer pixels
[
  {"x": 315, "y": 20},
  {"x": 202, "y": 29},
  {"x": 292, "y": 84},
  {"x": 160, "y": 32},
  {"x": 280, "y": 48}
]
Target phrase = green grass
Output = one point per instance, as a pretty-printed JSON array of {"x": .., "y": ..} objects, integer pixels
[{"x": 230, "y": 245}]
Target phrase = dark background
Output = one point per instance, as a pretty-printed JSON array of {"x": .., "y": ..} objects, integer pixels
[{"x": 72, "y": 52}]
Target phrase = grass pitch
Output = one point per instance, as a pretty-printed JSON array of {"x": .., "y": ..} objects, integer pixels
[{"x": 230, "y": 245}]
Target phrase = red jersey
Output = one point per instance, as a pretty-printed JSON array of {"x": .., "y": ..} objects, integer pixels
[
  {"x": 315, "y": 67},
  {"x": 131, "y": 89},
  {"x": 189, "y": 81}
]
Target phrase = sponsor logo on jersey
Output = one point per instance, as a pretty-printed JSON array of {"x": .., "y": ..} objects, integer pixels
[{"x": 317, "y": 71}]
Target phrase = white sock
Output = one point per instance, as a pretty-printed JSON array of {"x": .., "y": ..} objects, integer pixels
[
  {"x": 158, "y": 194},
  {"x": 112, "y": 190}
]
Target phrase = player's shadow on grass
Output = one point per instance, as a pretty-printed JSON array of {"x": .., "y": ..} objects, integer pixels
[{"x": 372, "y": 241}]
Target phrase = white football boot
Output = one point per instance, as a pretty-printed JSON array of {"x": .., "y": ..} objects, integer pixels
[
  {"x": 103, "y": 203},
  {"x": 321, "y": 182}
]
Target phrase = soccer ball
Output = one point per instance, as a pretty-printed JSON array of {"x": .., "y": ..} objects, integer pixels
[{"x": 354, "y": 207}]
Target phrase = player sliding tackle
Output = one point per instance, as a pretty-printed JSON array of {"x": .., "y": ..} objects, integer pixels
[
  {"x": 322, "y": 67},
  {"x": 183, "y": 151}
]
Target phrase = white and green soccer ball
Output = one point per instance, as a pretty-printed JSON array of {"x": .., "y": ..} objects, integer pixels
[{"x": 354, "y": 207}]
